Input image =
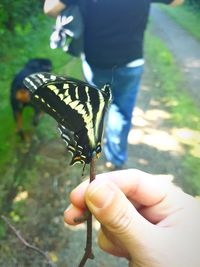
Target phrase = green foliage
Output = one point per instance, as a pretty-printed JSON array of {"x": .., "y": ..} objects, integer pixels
[
  {"x": 27, "y": 45},
  {"x": 191, "y": 180},
  {"x": 28, "y": 39},
  {"x": 17, "y": 14},
  {"x": 187, "y": 16},
  {"x": 170, "y": 78},
  {"x": 193, "y": 3},
  {"x": 2, "y": 230}
]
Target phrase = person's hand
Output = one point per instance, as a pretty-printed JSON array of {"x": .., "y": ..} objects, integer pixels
[
  {"x": 53, "y": 7},
  {"x": 143, "y": 217}
]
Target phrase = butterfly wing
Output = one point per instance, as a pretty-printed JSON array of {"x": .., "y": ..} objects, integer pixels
[
  {"x": 78, "y": 108},
  {"x": 71, "y": 141},
  {"x": 105, "y": 98}
]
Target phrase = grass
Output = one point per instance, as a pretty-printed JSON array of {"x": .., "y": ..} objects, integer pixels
[
  {"x": 174, "y": 95},
  {"x": 16, "y": 51},
  {"x": 26, "y": 45},
  {"x": 188, "y": 17}
]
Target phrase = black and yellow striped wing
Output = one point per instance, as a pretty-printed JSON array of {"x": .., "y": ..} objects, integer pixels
[{"x": 78, "y": 107}]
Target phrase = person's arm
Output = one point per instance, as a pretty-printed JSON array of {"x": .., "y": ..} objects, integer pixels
[
  {"x": 53, "y": 7},
  {"x": 169, "y": 2},
  {"x": 177, "y": 2}
]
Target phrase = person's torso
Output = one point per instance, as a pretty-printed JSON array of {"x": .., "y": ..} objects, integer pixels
[{"x": 114, "y": 31}]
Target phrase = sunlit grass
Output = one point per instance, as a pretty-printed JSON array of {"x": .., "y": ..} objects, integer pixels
[
  {"x": 185, "y": 119},
  {"x": 176, "y": 96},
  {"x": 188, "y": 17}
]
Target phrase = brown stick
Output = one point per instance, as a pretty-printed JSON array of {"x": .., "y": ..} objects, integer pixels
[
  {"x": 88, "y": 249},
  {"x": 26, "y": 244}
]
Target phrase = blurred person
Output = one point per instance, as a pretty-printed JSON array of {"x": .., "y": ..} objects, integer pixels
[
  {"x": 144, "y": 218},
  {"x": 113, "y": 48}
]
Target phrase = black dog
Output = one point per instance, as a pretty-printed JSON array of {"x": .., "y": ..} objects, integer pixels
[{"x": 20, "y": 96}]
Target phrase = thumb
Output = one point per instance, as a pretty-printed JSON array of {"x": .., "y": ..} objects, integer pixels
[{"x": 116, "y": 213}]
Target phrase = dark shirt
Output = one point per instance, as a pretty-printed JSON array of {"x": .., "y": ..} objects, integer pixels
[{"x": 114, "y": 30}]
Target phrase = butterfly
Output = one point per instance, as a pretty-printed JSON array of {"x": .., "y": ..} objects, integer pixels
[{"x": 78, "y": 107}]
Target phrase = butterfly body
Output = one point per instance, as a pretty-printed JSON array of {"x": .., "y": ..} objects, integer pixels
[{"x": 78, "y": 107}]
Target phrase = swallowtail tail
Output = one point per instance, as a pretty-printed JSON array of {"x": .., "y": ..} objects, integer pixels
[{"x": 78, "y": 107}]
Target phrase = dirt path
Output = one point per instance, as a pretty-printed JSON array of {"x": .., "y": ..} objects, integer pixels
[
  {"x": 154, "y": 144},
  {"x": 184, "y": 47}
]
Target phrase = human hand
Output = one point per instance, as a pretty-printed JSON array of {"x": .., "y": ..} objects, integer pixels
[
  {"x": 143, "y": 217},
  {"x": 53, "y": 7}
]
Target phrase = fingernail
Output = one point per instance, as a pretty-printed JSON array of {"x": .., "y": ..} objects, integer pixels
[
  {"x": 100, "y": 195},
  {"x": 69, "y": 207}
]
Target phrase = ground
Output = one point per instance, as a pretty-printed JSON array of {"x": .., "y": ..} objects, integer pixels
[
  {"x": 184, "y": 47},
  {"x": 151, "y": 120}
]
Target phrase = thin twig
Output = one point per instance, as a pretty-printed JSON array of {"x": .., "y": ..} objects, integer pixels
[
  {"x": 26, "y": 244},
  {"x": 88, "y": 249}
]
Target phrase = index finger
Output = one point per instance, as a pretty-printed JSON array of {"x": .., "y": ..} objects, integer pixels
[{"x": 140, "y": 187}]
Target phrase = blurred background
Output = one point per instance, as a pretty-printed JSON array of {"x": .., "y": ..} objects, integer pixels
[{"x": 35, "y": 176}]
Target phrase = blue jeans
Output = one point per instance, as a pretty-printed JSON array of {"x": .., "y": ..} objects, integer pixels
[{"x": 125, "y": 82}]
